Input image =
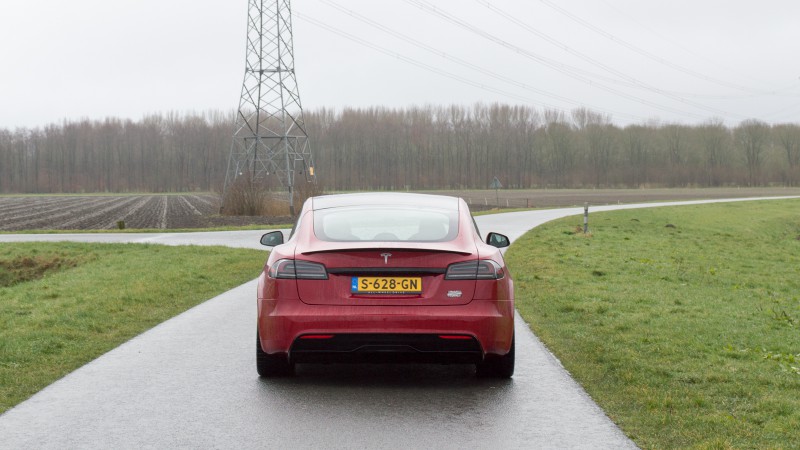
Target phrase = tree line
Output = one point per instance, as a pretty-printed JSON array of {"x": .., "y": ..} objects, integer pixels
[{"x": 431, "y": 147}]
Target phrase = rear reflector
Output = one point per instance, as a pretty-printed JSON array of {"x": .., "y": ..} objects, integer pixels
[
  {"x": 454, "y": 336},
  {"x": 316, "y": 336}
]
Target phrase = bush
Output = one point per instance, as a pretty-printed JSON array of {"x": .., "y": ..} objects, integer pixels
[{"x": 246, "y": 197}]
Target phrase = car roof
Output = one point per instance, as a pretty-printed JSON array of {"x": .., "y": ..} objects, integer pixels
[{"x": 385, "y": 199}]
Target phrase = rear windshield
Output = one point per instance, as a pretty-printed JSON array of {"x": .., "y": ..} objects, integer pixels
[{"x": 385, "y": 224}]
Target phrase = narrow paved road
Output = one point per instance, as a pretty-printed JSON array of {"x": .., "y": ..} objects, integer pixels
[{"x": 191, "y": 382}]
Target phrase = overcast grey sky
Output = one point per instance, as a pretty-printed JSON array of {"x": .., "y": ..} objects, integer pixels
[{"x": 677, "y": 61}]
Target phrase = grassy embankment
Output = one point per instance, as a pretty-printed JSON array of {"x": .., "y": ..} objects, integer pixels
[
  {"x": 683, "y": 323},
  {"x": 64, "y": 304}
]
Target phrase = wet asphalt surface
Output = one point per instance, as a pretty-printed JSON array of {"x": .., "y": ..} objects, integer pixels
[{"x": 191, "y": 383}]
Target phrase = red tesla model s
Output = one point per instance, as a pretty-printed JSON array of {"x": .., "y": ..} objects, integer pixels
[{"x": 385, "y": 277}]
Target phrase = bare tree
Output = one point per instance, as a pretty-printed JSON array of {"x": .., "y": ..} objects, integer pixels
[
  {"x": 788, "y": 135},
  {"x": 677, "y": 144},
  {"x": 637, "y": 153},
  {"x": 598, "y": 133},
  {"x": 429, "y": 147},
  {"x": 752, "y": 135},
  {"x": 560, "y": 148},
  {"x": 715, "y": 137}
]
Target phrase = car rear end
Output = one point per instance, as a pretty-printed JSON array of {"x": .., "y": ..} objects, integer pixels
[{"x": 376, "y": 283}]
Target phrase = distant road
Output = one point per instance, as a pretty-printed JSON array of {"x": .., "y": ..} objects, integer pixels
[
  {"x": 191, "y": 382},
  {"x": 239, "y": 239}
]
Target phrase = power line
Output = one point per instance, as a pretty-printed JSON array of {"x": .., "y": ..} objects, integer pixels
[
  {"x": 687, "y": 49},
  {"x": 643, "y": 52},
  {"x": 646, "y": 53},
  {"x": 431, "y": 68},
  {"x": 460, "y": 61},
  {"x": 560, "y": 67},
  {"x": 784, "y": 112},
  {"x": 409, "y": 60},
  {"x": 634, "y": 82}
]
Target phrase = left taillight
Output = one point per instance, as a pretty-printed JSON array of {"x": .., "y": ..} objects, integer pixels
[
  {"x": 484, "y": 269},
  {"x": 298, "y": 269}
]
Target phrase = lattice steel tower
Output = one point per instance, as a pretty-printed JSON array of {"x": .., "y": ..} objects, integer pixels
[{"x": 270, "y": 136}]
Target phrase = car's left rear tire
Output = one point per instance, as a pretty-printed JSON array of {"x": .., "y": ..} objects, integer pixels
[
  {"x": 271, "y": 365},
  {"x": 494, "y": 366}
]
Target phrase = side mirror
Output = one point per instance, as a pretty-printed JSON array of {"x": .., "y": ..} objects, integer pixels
[
  {"x": 272, "y": 239},
  {"x": 497, "y": 240}
]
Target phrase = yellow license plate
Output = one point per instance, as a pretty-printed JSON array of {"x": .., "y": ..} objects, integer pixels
[{"x": 386, "y": 285}]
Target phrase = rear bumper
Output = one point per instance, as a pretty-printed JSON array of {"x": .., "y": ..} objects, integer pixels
[
  {"x": 391, "y": 333},
  {"x": 368, "y": 347}
]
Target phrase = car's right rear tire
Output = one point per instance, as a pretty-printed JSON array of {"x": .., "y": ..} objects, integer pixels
[
  {"x": 271, "y": 365},
  {"x": 494, "y": 366}
]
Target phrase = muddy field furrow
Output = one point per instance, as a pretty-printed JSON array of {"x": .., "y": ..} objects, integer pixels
[
  {"x": 24, "y": 207},
  {"x": 129, "y": 213},
  {"x": 148, "y": 216},
  {"x": 104, "y": 212},
  {"x": 164, "y": 209},
  {"x": 99, "y": 216},
  {"x": 56, "y": 217},
  {"x": 15, "y": 206},
  {"x": 205, "y": 204},
  {"x": 184, "y": 207},
  {"x": 96, "y": 212}
]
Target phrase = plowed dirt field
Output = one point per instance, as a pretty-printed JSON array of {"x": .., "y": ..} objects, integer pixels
[
  {"x": 156, "y": 211},
  {"x": 105, "y": 212}
]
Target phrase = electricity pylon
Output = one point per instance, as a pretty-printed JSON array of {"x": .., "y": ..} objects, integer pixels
[{"x": 270, "y": 136}]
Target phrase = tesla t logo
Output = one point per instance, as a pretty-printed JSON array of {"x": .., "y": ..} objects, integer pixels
[{"x": 386, "y": 257}]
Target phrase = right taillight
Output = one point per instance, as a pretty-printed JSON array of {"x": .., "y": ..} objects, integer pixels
[
  {"x": 484, "y": 269},
  {"x": 301, "y": 270}
]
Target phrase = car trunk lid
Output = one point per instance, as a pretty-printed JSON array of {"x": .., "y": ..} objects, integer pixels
[{"x": 386, "y": 274}]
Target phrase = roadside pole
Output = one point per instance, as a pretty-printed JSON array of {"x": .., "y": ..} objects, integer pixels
[{"x": 585, "y": 217}]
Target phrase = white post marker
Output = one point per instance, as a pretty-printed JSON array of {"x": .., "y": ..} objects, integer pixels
[{"x": 585, "y": 217}]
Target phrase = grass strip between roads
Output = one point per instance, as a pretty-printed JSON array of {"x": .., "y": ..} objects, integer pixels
[
  {"x": 683, "y": 322},
  {"x": 64, "y": 304}
]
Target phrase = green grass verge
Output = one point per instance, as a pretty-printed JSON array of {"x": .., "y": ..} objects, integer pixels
[
  {"x": 683, "y": 323},
  {"x": 64, "y": 304}
]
